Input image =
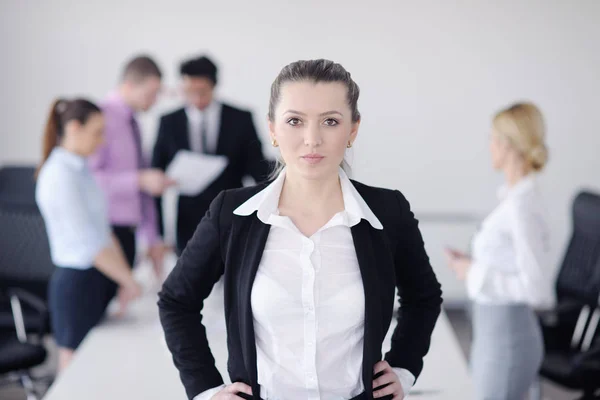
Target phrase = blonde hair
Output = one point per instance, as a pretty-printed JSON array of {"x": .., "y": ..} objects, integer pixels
[{"x": 522, "y": 124}]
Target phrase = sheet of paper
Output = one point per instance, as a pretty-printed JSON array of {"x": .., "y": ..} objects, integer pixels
[{"x": 193, "y": 172}]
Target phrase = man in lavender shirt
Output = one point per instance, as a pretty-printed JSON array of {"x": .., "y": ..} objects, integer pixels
[{"x": 120, "y": 167}]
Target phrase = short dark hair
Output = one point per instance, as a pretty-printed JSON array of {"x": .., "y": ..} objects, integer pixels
[
  {"x": 141, "y": 67},
  {"x": 200, "y": 67},
  {"x": 315, "y": 71}
]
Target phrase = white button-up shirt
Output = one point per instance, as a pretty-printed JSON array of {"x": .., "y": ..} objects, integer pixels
[
  {"x": 308, "y": 303},
  {"x": 511, "y": 262},
  {"x": 211, "y": 119}
]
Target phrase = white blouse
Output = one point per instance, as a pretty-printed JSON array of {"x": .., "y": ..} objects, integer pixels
[
  {"x": 511, "y": 263},
  {"x": 308, "y": 303},
  {"x": 74, "y": 210}
]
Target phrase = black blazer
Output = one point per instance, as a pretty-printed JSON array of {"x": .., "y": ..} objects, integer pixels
[
  {"x": 232, "y": 246},
  {"x": 237, "y": 140}
]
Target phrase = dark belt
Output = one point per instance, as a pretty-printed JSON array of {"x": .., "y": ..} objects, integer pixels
[{"x": 361, "y": 396}]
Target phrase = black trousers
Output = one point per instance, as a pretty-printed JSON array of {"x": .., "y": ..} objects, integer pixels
[{"x": 126, "y": 237}]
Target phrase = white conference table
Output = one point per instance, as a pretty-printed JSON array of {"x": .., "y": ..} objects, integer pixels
[{"x": 128, "y": 359}]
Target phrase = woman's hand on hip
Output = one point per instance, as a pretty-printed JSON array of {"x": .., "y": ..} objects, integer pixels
[
  {"x": 230, "y": 391},
  {"x": 388, "y": 378}
]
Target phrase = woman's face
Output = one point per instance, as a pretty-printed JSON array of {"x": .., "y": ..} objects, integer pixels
[
  {"x": 499, "y": 150},
  {"x": 312, "y": 126},
  {"x": 89, "y": 136}
]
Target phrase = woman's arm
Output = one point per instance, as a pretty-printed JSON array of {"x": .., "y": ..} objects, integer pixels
[
  {"x": 420, "y": 296},
  {"x": 181, "y": 300},
  {"x": 112, "y": 263},
  {"x": 532, "y": 281}
]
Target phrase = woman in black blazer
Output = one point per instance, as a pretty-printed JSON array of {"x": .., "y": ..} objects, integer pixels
[{"x": 310, "y": 264}]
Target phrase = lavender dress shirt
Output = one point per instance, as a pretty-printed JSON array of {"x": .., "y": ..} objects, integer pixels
[{"x": 115, "y": 166}]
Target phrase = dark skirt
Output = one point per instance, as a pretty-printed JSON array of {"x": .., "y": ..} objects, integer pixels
[{"x": 77, "y": 300}]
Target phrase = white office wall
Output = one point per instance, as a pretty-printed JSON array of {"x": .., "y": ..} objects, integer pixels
[{"x": 431, "y": 73}]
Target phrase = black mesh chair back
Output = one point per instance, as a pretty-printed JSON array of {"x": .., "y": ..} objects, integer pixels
[
  {"x": 579, "y": 277},
  {"x": 25, "y": 256},
  {"x": 17, "y": 184}
]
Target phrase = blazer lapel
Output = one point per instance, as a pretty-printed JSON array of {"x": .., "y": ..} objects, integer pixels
[
  {"x": 184, "y": 131},
  {"x": 255, "y": 233},
  {"x": 365, "y": 242},
  {"x": 223, "y": 129}
]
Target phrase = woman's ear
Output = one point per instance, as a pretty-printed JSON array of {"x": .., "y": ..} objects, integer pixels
[
  {"x": 72, "y": 126},
  {"x": 271, "y": 125},
  {"x": 354, "y": 131}
]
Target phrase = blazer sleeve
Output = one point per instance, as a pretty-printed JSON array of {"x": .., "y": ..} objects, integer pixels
[
  {"x": 181, "y": 300},
  {"x": 420, "y": 295}
]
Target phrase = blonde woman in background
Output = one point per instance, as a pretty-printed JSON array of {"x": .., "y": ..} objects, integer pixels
[{"x": 508, "y": 275}]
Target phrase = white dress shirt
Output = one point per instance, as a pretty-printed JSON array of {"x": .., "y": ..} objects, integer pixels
[
  {"x": 308, "y": 303},
  {"x": 511, "y": 262},
  {"x": 74, "y": 210},
  {"x": 211, "y": 116}
]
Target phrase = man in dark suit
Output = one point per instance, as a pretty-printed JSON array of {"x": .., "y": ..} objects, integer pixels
[{"x": 207, "y": 126}]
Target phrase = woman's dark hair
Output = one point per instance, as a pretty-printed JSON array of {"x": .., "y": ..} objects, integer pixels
[
  {"x": 315, "y": 71},
  {"x": 201, "y": 67},
  {"x": 61, "y": 112}
]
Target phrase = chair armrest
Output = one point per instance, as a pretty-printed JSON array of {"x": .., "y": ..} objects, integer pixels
[
  {"x": 32, "y": 300},
  {"x": 558, "y": 325},
  {"x": 587, "y": 364},
  {"x": 18, "y": 295}
]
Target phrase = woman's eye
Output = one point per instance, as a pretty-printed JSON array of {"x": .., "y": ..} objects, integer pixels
[
  {"x": 331, "y": 122},
  {"x": 293, "y": 121}
]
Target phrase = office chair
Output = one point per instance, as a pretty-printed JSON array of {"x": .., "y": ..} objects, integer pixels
[
  {"x": 571, "y": 333},
  {"x": 18, "y": 354},
  {"x": 25, "y": 263},
  {"x": 17, "y": 184}
]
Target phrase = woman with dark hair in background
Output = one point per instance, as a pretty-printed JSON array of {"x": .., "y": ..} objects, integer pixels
[
  {"x": 90, "y": 263},
  {"x": 310, "y": 262}
]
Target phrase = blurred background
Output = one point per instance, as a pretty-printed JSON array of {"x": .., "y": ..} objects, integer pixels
[{"x": 432, "y": 74}]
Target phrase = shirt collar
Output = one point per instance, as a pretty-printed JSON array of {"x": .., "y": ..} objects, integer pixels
[
  {"x": 71, "y": 159},
  {"x": 266, "y": 202},
  {"x": 195, "y": 114},
  {"x": 117, "y": 102},
  {"x": 524, "y": 184}
]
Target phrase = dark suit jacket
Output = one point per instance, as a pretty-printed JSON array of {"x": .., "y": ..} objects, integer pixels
[
  {"x": 232, "y": 246},
  {"x": 237, "y": 140}
]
